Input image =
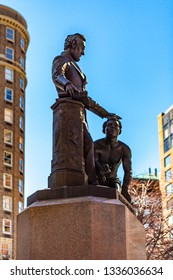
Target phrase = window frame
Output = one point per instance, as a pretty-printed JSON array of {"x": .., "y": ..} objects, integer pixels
[
  {"x": 9, "y": 74},
  {"x": 8, "y": 164},
  {"x": 11, "y": 137},
  {"x": 21, "y": 82},
  {"x": 22, "y": 62},
  {"x": 5, "y": 226},
  {"x": 8, "y": 115},
  {"x": 21, "y": 143},
  {"x": 7, "y": 203},
  {"x": 20, "y": 206},
  {"x": 21, "y": 103},
  {"x": 20, "y": 186},
  {"x": 168, "y": 175},
  {"x": 167, "y": 160},
  {"x": 169, "y": 192},
  {"x": 21, "y": 165},
  {"x": 8, "y": 242},
  {"x": 5, "y": 179},
  {"x": 8, "y": 55},
  {"x": 21, "y": 123},
  {"x": 9, "y": 94},
  {"x": 166, "y": 131},
  {"x": 166, "y": 145},
  {"x": 22, "y": 43},
  {"x": 170, "y": 204},
  {"x": 12, "y": 37}
]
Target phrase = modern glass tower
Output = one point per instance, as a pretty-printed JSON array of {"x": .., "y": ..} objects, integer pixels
[{"x": 14, "y": 40}]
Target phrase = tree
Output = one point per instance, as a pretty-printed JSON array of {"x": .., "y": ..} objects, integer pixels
[{"x": 147, "y": 202}]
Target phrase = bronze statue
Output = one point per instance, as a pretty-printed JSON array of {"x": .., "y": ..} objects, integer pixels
[
  {"x": 70, "y": 82},
  {"x": 109, "y": 154}
]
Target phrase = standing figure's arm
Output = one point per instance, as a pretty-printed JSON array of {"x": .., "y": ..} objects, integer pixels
[
  {"x": 99, "y": 110},
  {"x": 59, "y": 68}
]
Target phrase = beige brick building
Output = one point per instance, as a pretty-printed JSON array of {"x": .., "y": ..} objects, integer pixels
[
  {"x": 165, "y": 128},
  {"x": 14, "y": 40}
]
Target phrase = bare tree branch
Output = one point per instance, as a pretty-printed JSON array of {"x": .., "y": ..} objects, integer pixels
[{"x": 147, "y": 202}]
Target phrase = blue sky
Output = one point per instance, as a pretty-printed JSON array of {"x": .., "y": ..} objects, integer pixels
[{"x": 128, "y": 63}]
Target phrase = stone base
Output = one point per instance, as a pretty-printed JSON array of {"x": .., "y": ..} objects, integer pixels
[{"x": 82, "y": 228}]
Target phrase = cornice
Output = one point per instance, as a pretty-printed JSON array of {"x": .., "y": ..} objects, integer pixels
[{"x": 8, "y": 21}]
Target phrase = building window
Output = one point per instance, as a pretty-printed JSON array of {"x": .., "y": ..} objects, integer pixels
[
  {"x": 21, "y": 62},
  {"x": 169, "y": 189},
  {"x": 7, "y": 226},
  {"x": 8, "y": 158},
  {"x": 21, "y": 165},
  {"x": 168, "y": 175},
  {"x": 166, "y": 145},
  {"x": 9, "y": 53},
  {"x": 9, "y": 94},
  {"x": 20, "y": 206},
  {"x": 21, "y": 144},
  {"x": 170, "y": 204},
  {"x": 8, "y": 115},
  {"x": 7, "y": 203},
  {"x": 22, "y": 43},
  {"x": 21, "y": 123},
  {"x": 5, "y": 248},
  {"x": 21, "y": 83},
  {"x": 170, "y": 220},
  {"x": 171, "y": 126},
  {"x": 8, "y": 137},
  {"x": 20, "y": 186},
  {"x": 9, "y": 34},
  {"x": 167, "y": 161},
  {"x": 165, "y": 131},
  {"x": 171, "y": 140},
  {"x": 7, "y": 181},
  {"x": 9, "y": 74},
  {"x": 21, "y": 103}
]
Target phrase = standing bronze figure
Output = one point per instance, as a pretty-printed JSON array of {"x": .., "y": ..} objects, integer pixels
[
  {"x": 70, "y": 83},
  {"x": 109, "y": 154}
]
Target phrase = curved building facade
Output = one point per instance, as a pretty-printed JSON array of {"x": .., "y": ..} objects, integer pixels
[{"x": 14, "y": 40}]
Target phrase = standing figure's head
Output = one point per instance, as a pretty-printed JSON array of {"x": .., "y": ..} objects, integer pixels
[
  {"x": 112, "y": 127},
  {"x": 75, "y": 44}
]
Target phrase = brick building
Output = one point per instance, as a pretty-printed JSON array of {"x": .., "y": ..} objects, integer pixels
[
  {"x": 14, "y": 40},
  {"x": 165, "y": 127}
]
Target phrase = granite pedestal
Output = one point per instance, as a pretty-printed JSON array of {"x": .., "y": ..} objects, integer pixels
[{"x": 87, "y": 227}]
